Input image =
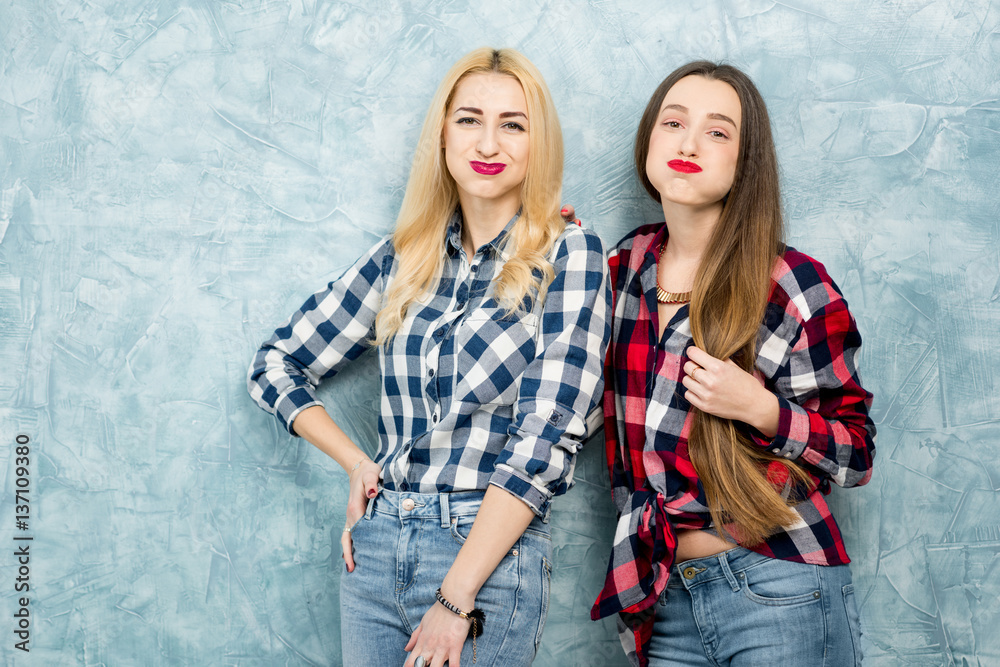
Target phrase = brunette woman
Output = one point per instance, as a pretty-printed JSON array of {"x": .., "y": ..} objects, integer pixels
[
  {"x": 489, "y": 314},
  {"x": 732, "y": 401}
]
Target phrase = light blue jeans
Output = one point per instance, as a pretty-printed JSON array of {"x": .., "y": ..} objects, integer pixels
[
  {"x": 403, "y": 547},
  {"x": 739, "y": 608}
]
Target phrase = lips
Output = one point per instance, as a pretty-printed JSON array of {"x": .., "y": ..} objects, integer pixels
[
  {"x": 487, "y": 168},
  {"x": 684, "y": 167}
]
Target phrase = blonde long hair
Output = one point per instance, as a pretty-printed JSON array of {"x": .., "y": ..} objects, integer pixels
[
  {"x": 432, "y": 196},
  {"x": 731, "y": 291}
]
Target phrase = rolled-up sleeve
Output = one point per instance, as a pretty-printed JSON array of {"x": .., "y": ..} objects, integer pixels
[
  {"x": 334, "y": 326},
  {"x": 564, "y": 381},
  {"x": 809, "y": 349},
  {"x": 823, "y": 411}
]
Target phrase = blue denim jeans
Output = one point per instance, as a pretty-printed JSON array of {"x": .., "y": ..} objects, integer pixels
[
  {"x": 403, "y": 547},
  {"x": 740, "y": 608}
]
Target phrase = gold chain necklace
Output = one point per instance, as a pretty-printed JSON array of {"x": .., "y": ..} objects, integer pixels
[{"x": 662, "y": 295}]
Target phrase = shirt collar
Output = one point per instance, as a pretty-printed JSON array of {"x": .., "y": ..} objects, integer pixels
[
  {"x": 498, "y": 243},
  {"x": 653, "y": 250}
]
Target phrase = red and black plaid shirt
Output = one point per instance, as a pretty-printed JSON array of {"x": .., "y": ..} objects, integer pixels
[{"x": 806, "y": 354}]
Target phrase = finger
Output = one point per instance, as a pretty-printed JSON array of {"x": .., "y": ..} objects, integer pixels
[
  {"x": 413, "y": 640},
  {"x": 691, "y": 369},
  {"x": 692, "y": 388},
  {"x": 370, "y": 481},
  {"x": 347, "y": 544},
  {"x": 695, "y": 400},
  {"x": 454, "y": 656},
  {"x": 568, "y": 212},
  {"x": 700, "y": 356}
]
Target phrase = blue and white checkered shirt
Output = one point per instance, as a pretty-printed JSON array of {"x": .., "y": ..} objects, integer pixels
[{"x": 471, "y": 395}]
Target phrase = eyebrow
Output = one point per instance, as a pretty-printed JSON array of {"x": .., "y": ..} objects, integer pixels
[
  {"x": 713, "y": 116},
  {"x": 505, "y": 114}
]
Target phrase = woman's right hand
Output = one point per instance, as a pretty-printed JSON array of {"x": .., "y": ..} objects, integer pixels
[{"x": 363, "y": 486}]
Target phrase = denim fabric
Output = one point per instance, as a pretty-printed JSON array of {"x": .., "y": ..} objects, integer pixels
[
  {"x": 402, "y": 556},
  {"x": 743, "y": 609}
]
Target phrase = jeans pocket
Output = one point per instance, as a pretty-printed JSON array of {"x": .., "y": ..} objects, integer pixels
[
  {"x": 853, "y": 621},
  {"x": 462, "y": 525},
  {"x": 779, "y": 583}
]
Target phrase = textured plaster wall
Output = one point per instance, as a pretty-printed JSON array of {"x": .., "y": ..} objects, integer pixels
[{"x": 175, "y": 177}]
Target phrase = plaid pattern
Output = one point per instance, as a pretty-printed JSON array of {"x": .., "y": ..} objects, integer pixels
[
  {"x": 807, "y": 352},
  {"x": 471, "y": 395}
]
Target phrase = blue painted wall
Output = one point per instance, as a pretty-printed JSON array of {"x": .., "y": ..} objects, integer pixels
[{"x": 175, "y": 177}]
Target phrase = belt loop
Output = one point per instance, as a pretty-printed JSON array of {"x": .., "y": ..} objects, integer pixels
[
  {"x": 445, "y": 511},
  {"x": 724, "y": 562}
]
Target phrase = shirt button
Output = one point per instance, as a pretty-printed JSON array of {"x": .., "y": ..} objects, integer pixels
[
  {"x": 434, "y": 419},
  {"x": 408, "y": 504},
  {"x": 430, "y": 372},
  {"x": 776, "y": 450},
  {"x": 439, "y": 333}
]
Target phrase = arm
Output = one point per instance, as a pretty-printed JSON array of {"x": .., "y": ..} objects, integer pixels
[
  {"x": 331, "y": 329},
  {"x": 816, "y": 412},
  {"x": 441, "y": 634},
  {"x": 564, "y": 382},
  {"x": 316, "y": 426},
  {"x": 557, "y": 390}
]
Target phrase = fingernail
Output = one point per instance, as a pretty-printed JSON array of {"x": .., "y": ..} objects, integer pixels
[{"x": 565, "y": 210}]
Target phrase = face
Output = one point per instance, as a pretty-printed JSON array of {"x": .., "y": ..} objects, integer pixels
[
  {"x": 486, "y": 139},
  {"x": 694, "y": 145}
]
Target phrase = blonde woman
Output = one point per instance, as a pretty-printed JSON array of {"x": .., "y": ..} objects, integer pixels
[{"x": 489, "y": 314}]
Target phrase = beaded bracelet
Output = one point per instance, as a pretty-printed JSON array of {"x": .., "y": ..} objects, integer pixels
[{"x": 477, "y": 617}]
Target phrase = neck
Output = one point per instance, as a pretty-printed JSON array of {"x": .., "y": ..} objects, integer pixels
[
  {"x": 690, "y": 230},
  {"x": 483, "y": 219}
]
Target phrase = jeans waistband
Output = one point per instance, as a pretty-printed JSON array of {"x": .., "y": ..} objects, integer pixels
[
  {"x": 697, "y": 571},
  {"x": 429, "y": 506}
]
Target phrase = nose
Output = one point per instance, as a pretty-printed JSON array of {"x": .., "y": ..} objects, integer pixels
[
  {"x": 487, "y": 146},
  {"x": 689, "y": 144}
]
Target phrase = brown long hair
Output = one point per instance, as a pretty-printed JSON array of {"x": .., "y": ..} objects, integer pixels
[
  {"x": 730, "y": 295},
  {"x": 432, "y": 195}
]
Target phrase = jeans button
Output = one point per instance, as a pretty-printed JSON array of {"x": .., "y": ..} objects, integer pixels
[
  {"x": 408, "y": 504},
  {"x": 689, "y": 573}
]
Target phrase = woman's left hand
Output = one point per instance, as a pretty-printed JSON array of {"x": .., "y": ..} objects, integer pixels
[
  {"x": 439, "y": 638},
  {"x": 723, "y": 389}
]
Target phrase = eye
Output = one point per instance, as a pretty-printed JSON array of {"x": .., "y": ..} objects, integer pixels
[
  {"x": 516, "y": 127},
  {"x": 467, "y": 120},
  {"x": 674, "y": 124},
  {"x": 718, "y": 134}
]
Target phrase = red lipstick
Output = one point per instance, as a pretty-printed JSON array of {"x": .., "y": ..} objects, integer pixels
[
  {"x": 487, "y": 168},
  {"x": 684, "y": 167}
]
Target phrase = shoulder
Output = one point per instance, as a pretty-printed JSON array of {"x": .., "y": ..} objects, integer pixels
[
  {"x": 580, "y": 237},
  {"x": 383, "y": 253},
  {"x": 639, "y": 238},
  {"x": 634, "y": 245},
  {"x": 802, "y": 284},
  {"x": 575, "y": 240}
]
